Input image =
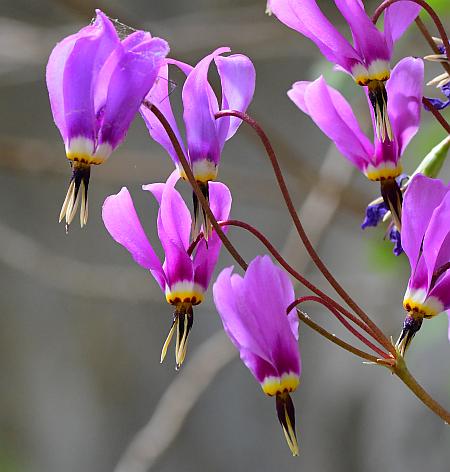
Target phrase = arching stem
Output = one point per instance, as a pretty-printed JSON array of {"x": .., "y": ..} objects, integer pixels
[
  {"x": 379, "y": 335},
  {"x": 355, "y": 333}
]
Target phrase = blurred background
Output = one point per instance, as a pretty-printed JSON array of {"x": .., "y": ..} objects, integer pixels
[{"x": 81, "y": 325}]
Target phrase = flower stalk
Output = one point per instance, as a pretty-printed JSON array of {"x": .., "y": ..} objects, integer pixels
[{"x": 379, "y": 335}]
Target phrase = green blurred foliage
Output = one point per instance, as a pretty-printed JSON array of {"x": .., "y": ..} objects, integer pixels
[{"x": 441, "y": 6}]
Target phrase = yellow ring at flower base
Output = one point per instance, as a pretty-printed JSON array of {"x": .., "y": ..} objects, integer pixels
[
  {"x": 276, "y": 385},
  {"x": 378, "y": 71},
  {"x": 203, "y": 171},
  {"x": 81, "y": 150},
  {"x": 385, "y": 171},
  {"x": 418, "y": 305},
  {"x": 185, "y": 292}
]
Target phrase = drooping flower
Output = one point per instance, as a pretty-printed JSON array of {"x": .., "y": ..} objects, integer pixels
[
  {"x": 253, "y": 311},
  {"x": 377, "y": 212},
  {"x": 368, "y": 60},
  {"x": 426, "y": 242},
  {"x": 96, "y": 83},
  {"x": 380, "y": 160},
  {"x": 441, "y": 81},
  {"x": 205, "y": 136},
  {"x": 183, "y": 277}
]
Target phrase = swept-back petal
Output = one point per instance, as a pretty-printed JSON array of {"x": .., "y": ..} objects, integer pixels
[
  {"x": 174, "y": 226},
  {"x": 268, "y": 292},
  {"x": 122, "y": 223},
  {"x": 441, "y": 290},
  {"x": 133, "y": 76},
  {"x": 369, "y": 41},
  {"x": 239, "y": 323},
  {"x": 333, "y": 115},
  {"x": 397, "y": 19},
  {"x": 404, "y": 90},
  {"x": 200, "y": 105},
  {"x": 307, "y": 18},
  {"x": 159, "y": 95},
  {"x": 237, "y": 77},
  {"x": 206, "y": 255},
  {"x": 90, "y": 51},
  {"x": 436, "y": 243},
  {"x": 422, "y": 196}
]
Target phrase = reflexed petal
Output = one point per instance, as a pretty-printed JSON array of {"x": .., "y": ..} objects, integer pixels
[
  {"x": 442, "y": 290},
  {"x": 422, "y": 196},
  {"x": 174, "y": 226},
  {"x": 239, "y": 323},
  {"x": 397, "y": 19},
  {"x": 134, "y": 75},
  {"x": 268, "y": 292},
  {"x": 369, "y": 41},
  {"x": 122, "y": 223},
  {"x": 159, "y": 95},
  {"x": 307, "y": 18},
  {"x": 89, "y": 53},
  {"x": 200, "y": 105},
  {"x": 333, "y": 115},
  {"x": 237, "y": 77},
  {"x": 436, "y": 243},
  {"x": 206, "y": 255},
  {"x": 404, "y": 90}
]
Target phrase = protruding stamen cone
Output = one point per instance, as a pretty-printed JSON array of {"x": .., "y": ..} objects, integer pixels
[
  {"x": 286, "y": 416},
  {"x": 393, "y": 198},
  {"x": 77, "y": 192},
  {"x": 200, "y": 217},
  {"x": 185, "y": 320},
  {"x": 168, "y": 339},
  {"x": 440, "y": 80},
  {"x": 411, "y": 325},
  {"x": 379, "y": 99}
]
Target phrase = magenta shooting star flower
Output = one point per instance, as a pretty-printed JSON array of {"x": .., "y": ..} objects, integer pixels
[
  {"x": 205, "y": 136},
  {"x": 184, "y": 278},
  {"x": 368, "y": 60},
  {"x": 378, "y": 160},
  {"x": 96, "y": 84},
  {"x": 426, "y": 242},
  {"x": 253, "y": 311}
]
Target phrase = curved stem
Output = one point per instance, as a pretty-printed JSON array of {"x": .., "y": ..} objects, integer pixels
[
  {"x": 379, "y": 335},
  {"x": 190, "y": 176},
  {"x": 405, "y": 376},
  {"x": 355, "y": 333},
  {"x": 436, "y": 114},
  {"x": 283, "y": 263},
  {"x": 334, "y": 339},
  {"x": 434, "y": 16}
]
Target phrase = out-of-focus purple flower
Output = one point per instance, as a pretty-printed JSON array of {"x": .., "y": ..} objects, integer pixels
[
  {"x": 253, "y": 312},
  {"x": 96, "y": 83},
  {"x": 333, "y": 115},
  {"x": 183, "y": 278},
  {"x": 426, "y": 242},
  {"x": 205, "y": 136},
  {"x": 374, "y": 214},
  {"x": 396, "y": 238},
  {"x": 377, "y": 211},
  {"x": 441, "y": 104},
  {"x": 368, "y": 59}
]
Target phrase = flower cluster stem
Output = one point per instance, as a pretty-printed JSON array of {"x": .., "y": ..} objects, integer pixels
[
  {"x": 378, "y": 334},
  {"x": 443, "y": 122},
  {"x": 399, "y": 367},
  {"x": 350, "y": 328},
  {"x": 402, "y": 372}
]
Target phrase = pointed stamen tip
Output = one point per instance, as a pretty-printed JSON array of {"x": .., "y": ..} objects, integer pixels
[
  {"x": 286, "y": 416},
  {"x": 411, "y": 326}
]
